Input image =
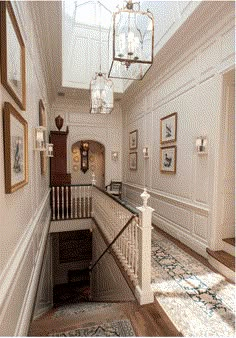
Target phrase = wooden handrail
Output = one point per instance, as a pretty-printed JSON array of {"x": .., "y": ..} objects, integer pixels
[{"x": 123, "y": 204}]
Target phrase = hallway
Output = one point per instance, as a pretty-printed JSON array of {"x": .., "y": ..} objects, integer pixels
[{"x": 188, "y": 294}]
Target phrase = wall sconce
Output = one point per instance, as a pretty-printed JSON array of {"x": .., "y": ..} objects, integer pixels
[
  {"x": 40, "y": 138},
  {"x": 201, "y": 145},
  {"x": 114, "y": 155},
  {"x": 145, "y": 152},
  {"x": 49, "y": 150}
]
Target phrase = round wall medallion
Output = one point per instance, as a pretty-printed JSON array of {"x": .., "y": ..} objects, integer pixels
[
  {"x": 76, "y": 158},
  {"x": 75, "y": 167}
]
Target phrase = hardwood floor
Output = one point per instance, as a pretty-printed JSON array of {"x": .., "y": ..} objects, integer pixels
[{"x": 147, "y": 320}]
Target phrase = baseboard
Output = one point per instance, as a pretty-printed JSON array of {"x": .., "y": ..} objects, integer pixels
[
  {"x": 182, "y": 236},
  {"x": 18, "y": 281}
]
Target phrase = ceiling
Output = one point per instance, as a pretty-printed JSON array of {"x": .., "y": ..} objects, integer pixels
[
  {"x": 66, "y": 80},
  {"x": 47, "y": 18}
]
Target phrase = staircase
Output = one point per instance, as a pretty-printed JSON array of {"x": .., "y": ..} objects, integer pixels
[{"x": 224, "y": 260}]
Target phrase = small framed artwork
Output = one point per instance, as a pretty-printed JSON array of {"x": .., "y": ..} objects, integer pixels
[
  {"x": 133, "y": 161},
  {"x": 168, "y": 159},
  {"x": 168, "y": 128},
  {"x": 15, "y": 149},
  {"x": 12, "y": 55},
  {"x": 42, "y": 122},
  {"x": 133, "y": 139}
]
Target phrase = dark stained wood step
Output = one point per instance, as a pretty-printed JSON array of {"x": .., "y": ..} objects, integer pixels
[
  {"x": 230, "y": 241},
  {"x": 223, "y": 257}
]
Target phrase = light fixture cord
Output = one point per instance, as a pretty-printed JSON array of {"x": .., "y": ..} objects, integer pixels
[{"x": 100, "y": 36}]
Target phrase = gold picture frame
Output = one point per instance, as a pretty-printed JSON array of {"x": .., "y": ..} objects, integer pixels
[
  {"x": 168, "y": 159},
  {"x": 12, "y": 55},
  {"x": 168, "y": 128},
  {"x": 43, "y": 123},
  {"x": 133, "y": 139},
  {"x": 15, "y": 149}
]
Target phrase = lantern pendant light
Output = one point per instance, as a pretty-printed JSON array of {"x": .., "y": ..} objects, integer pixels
[
  {"x": 101, "y": 88},
  {"x": 133, "y": 42}
]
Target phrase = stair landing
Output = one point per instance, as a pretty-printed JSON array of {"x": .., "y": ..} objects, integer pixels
[
  {"x": 230, "y": 241},
  {"x": 223, "y": 257}
]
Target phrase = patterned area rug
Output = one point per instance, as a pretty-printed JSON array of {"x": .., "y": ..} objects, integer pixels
[
  {"x": 119, "y": 328},
  {"x": 199, "y": 301},
  {"x": 79, "y": 308}
]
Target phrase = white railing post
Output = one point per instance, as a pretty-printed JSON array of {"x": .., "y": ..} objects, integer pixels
[{"x": 143, "y": 290}]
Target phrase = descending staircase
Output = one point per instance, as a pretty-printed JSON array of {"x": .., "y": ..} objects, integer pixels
[{"x": 224, "y": 260}]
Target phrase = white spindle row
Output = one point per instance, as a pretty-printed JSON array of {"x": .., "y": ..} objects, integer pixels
[
  {"x": 112, "y": 217},
  {"x": 71, "y": 202}
]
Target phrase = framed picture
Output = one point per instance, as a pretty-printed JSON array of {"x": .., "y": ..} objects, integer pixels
[
  {"x": 42, "y": 122},
  {"x": 133, "y": 161},
  {"x": 15, "y": 149},
  {"x": 168, "y": 159},
  {"x": 12, "y": 55},
  {"x": 133, "y": 139},
  {"x": 168, "y": 127}
]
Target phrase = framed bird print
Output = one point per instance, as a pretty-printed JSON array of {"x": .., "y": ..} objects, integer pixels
[
  {"x": 168, "y": 128},
  {"x": 168, "y": 159},
  {"x": 15, "y": 149}
]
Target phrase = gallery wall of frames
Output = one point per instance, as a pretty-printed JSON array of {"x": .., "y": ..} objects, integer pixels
[
  {"x": 24, "y": 184},
  {"x": 178, "y": 103}
]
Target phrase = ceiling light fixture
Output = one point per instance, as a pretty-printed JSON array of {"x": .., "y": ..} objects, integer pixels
[
  {"x": 133, "y": 42},
  {"x": 101, "y": 88}
]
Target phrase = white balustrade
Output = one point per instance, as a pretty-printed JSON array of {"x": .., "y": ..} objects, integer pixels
[
  {"x": 132, "y": 247},
  {"x": 71, "y": 202}
]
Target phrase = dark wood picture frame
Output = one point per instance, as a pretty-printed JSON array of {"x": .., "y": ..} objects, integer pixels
[
  {"x": 13, "y": 74},
  {"x": 15, "y": 149},
  {"x": 133, "y": 161},
  {"x": 168, "y": 128},
  {"x": 168, "y": 157}
]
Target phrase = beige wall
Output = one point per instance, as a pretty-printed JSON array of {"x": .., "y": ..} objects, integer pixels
[
  {"x": 24, "y": 213},
  {"x": 187, "y": 79}
]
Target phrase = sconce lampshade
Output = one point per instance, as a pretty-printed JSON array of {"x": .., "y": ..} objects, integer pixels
[
  {"x": 101, "y": 90},
  {"x": 49, "y": 151},
  {"x": 40, "y": 138},
  {"x": 201, "y": 145},
  {"x": 133, "y": 43}
]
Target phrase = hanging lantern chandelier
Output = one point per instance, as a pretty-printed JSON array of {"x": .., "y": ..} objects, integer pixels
[
  {"x": 133, "y": 42},
  {"x": 101, "y": 88}
]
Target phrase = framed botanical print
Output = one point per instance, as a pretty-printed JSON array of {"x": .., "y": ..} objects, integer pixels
[
  {"x": 15, "y": 149},
  {"x": 133, "y": 161},
  {"x": 133, "y": 139},
  {"x": 12, "y": 55},
  {"x": 168, "y": 128},
  {"x": 168, "y": 159},
  {"x": 42, "y": 122}
]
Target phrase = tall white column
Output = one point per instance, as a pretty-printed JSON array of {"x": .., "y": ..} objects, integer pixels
[{"x": 143, "y": 290}]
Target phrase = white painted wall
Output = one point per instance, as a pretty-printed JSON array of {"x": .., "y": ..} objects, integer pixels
[
  {"x": 24, "y": 214},
  {"x": 82, "y": 125},
  {"x": 186, "y": 78}
]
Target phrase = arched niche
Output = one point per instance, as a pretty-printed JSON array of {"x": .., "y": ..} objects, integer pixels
[{"x": 96, "y": 163}]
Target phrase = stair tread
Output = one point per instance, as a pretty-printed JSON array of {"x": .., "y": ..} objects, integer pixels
[
  {"x": 230, "y": 240},
  {"x": 223, "y": 257}
]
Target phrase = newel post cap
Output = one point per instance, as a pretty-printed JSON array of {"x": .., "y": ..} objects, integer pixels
[{"x": 145, "y": 196}]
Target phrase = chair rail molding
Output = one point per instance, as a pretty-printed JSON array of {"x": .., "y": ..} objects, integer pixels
[{"x": 19, "y": 279}]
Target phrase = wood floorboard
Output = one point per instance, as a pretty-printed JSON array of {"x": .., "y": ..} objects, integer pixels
[
  {"x": 230, "y": 241},
  {"x": 224, "y": 258}
]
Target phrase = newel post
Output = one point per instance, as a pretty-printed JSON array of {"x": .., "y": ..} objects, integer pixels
[{"x": 143, "y": 290}]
